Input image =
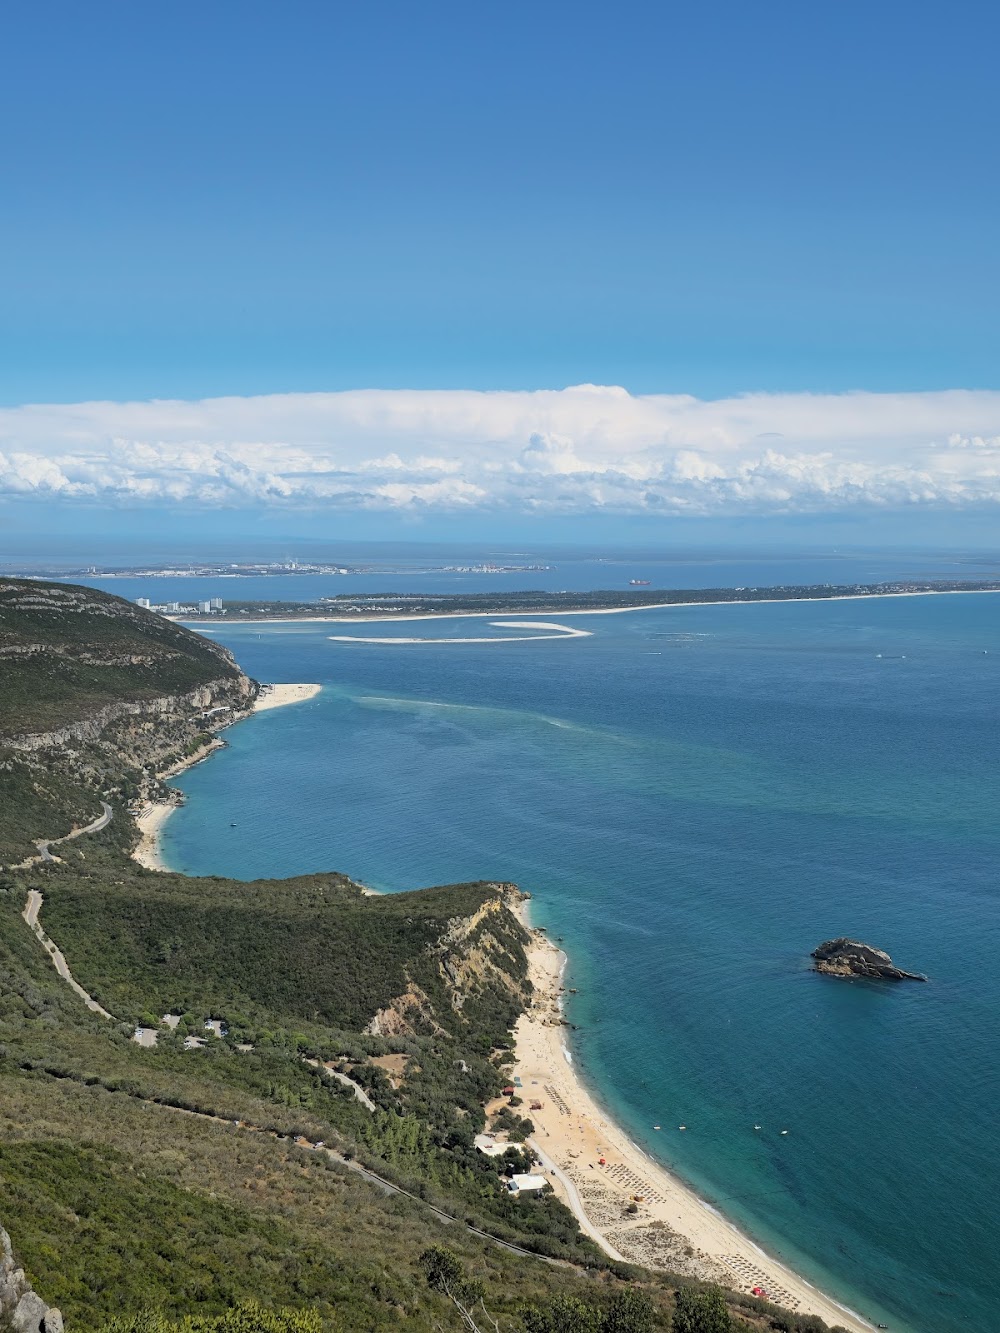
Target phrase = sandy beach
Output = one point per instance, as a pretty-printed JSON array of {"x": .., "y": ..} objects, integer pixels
[
  {"x": 155, "y": 814},
  {"x": 151, "y": 820},
  {"x": 276, "y": 696},
  {"x": 672, "y": 1229}
]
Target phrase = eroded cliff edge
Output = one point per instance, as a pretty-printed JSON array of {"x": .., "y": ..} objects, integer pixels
[{"x": 99, "y": 697}]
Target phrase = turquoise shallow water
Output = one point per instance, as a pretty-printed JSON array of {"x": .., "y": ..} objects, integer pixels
[{"x": 696, "y": 797}]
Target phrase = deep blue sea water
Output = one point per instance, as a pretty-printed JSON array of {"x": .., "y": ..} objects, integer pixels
[{"x": 696, "y": 797}]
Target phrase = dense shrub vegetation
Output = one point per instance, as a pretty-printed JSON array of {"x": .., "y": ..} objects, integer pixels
[
  {"x": 221, "y": 1189},
  {"x": 67, "y": 651}
]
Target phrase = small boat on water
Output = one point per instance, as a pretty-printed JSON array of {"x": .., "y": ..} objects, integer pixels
[{"x": 638, "y": 583}]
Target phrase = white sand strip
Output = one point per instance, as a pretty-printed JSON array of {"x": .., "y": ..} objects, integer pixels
[
  {"x": 561, "y": 632},
  {"x": 151, "y": 821},
  {"x": 572, "y": 1134},
  {"x": 276, "y": 696}
]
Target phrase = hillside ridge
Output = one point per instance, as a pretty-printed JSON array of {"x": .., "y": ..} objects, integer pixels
[{"x": 100, "y": 698}]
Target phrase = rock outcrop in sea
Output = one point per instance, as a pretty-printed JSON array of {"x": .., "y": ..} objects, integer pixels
[{"x": 850, "y": 958}]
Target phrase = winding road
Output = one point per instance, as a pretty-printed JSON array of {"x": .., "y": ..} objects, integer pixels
[
  {"x": 102, "y": 821},
  {"x": 385, "y": 1186},
  {"x": 576, "y": 1203},
  {"x": 33, "y": 907}
]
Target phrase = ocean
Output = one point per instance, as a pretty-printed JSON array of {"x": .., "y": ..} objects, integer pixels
[{"x": 696, "y": 797}]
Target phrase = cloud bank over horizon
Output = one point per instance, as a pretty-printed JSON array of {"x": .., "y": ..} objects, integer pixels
[{"x": 570, "y": 451}]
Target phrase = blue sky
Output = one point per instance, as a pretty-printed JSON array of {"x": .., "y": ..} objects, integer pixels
[
  {"x": 710, "y": 199},
  {"x": 240, "y": 199}
]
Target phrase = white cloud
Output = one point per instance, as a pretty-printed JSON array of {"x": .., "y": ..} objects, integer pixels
[{"x": 570, "y": 450}]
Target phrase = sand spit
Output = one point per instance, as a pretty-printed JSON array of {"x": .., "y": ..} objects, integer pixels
[
  {"x": 558, "y": 632},
  {"x": 594, "y": 611},
  {"x": 276, "y": 696},
  {"x": 672, "y": 1228},
  {"x": 154, "y": 815}
]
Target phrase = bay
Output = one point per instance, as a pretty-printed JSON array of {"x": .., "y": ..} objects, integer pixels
[{"x": 696, "y": 797}]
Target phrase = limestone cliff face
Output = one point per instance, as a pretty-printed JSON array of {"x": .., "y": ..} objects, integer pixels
[
  {"x": 22, "y": 1310},
  {"x": 475, "y": 949},
  {"x": 98, "y": 698},
  {"x": 474, "y": 958},
  {"x": 72, "y": 659},
  {"x": 143, "y": 716}
]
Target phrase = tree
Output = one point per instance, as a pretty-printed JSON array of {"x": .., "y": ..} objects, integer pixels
[
  {"x": 564, "y": 1315},
  {"x": 445, "y": 1274},
  {"x": 701, "y": 1311},
  {"x": 631, "y": 1311}
]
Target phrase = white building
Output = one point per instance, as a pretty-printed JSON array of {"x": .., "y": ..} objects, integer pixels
[
  {"x": 143, "y": 602},
  {"x": 205, "y": 608},
  {"x": 487, "y": 1144},
  {"x": 520, "y": 1184}
]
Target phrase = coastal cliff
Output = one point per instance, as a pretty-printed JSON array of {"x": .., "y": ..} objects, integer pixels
[
  {"x": 100, "y": 697},
  {"x": 228, "y": 1092},
  {"x": 850, "y": 958},
  {"x": 477, "y": 961}
]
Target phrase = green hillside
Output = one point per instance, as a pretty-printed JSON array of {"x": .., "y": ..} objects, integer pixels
[
  {"x": 67, "y": 652},
  {"x": 96, "y": 693},
  {"x": 294, "y": 1151}
]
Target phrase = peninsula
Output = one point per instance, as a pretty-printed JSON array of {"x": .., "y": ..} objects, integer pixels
[{"x": 399, "y": 605}]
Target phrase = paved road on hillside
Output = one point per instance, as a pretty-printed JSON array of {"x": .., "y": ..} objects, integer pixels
[
  {"x": 102, "y": 821},
  {"x": 33, "y": 907},
  {"x": 576, "y": 1203}
]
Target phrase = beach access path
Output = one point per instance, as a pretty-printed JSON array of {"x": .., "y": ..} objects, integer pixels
[{"x": 671, "y": 1227}]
